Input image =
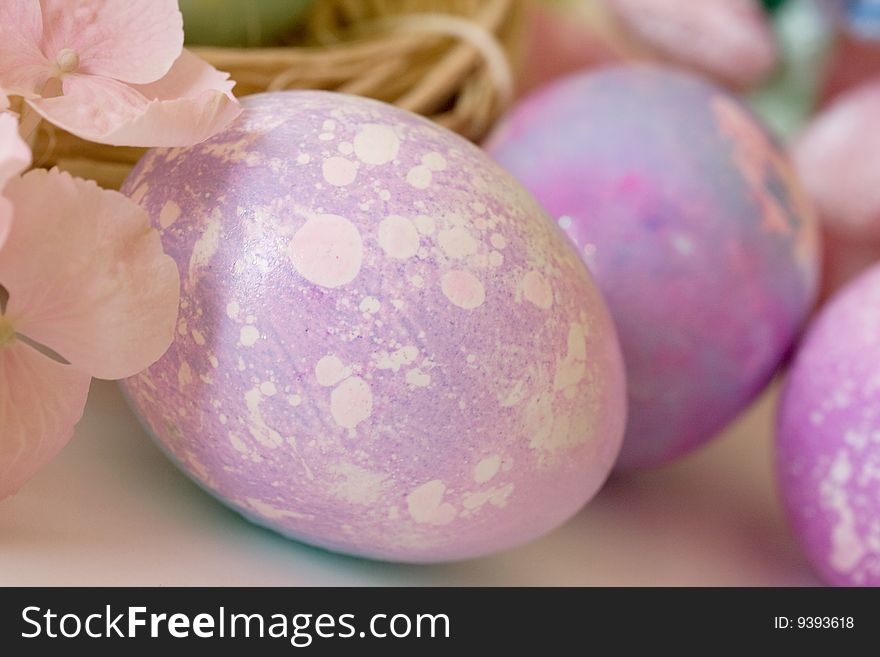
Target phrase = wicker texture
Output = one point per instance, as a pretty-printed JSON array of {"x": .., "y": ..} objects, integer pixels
[{"x": 450, "y": 60}]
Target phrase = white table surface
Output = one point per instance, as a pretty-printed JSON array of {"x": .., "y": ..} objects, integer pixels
[{"x": 111, "y": 510}]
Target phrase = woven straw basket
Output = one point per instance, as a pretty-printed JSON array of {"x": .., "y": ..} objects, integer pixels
[{"x": 451, "y": 60}]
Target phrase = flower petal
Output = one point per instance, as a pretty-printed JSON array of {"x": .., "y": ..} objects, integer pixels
[
  {"x": 15, "y": 156},
  {"x": 92, "y": 107},
  {"x": 190, "y": 104},
  {"x": 87, "y": 276},
  {"x": 5, "y": 220},
  {"x": 23, "y": 67},
  {"x": 132, "y": 41},
  {"x": 40, "y": 402}
]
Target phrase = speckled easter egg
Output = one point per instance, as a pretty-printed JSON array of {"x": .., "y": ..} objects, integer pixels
[
  {"x": 828, "y": 444},
  {"x": 696, "y": 232},
  {"x": 385, "y": 347}
]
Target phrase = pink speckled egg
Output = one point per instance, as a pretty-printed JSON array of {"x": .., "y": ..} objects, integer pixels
[
  {"x": 385, "y": 348},
  {"x": 828, "y": 444},
  {"x": 696, "y": 231}
]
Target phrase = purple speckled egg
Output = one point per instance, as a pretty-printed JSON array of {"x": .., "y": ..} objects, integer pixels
[
  {"x": 385, "y": 347},
  {"x": 828, "y": 443},
  {"x": 694, "y": 227}
]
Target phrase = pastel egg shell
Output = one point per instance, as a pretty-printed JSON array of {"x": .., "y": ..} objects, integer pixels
[
  {"x": 696, "y": 231},
  {"x": 828, "y": 442},
  {"x": 385, "y": 348}
]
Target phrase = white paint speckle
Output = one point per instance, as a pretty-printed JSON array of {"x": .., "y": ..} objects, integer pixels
[
  {"x": 425, "y": 504},
  {"x": 327, "y": 250},
  {"x": 487, "y": 468},
  {"x": 434, "y": 161},
  {"x": 376, "y": 144},
  {"x": 417, "y": 378},
  {"x": 330, "y": 370},
  {"x": 397, "y": 359},
  {"x": 206, "y": 246},
  {"x": 463, "y": 289},
  {"x": 339, "y": 171},
  {"x": 370, "y": 305},
  {"x": 184, "y": 375},
  {"x": 536, "y": 290},
  {"x": 271, "y": 511},
  {"x": 847, "y": 547},
  {"x": 248, "y": 336},
  {"x": 457, "y": 242},
  {"x": 398, "y": 237},
  {"x": 424, "y": 224},
  {"x": 169, "y": 214},
  {"x": 572, "y": 367},
  {"x": 419, "y": 177},
  {"x": 351, "y": 402}
]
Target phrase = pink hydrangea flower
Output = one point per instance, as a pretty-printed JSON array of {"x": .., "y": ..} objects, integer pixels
[
  {"x": 112, "y": 71},
  {"x": 15, "y": 156},
  {"x": 87, "y": 291}
]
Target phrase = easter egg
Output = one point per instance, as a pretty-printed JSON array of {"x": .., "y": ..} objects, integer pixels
[
  {"x": 384, "y": 348},
  {"x": 828, "y": 443},
  {"x": 838, "y": 159},
  {"x": 234, "y": 23},
  {"x": 694, "y": 227},
  {"x": 730, "y": 40}
]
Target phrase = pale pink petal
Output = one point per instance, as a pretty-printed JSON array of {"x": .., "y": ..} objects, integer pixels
[
  {"x": 15, "y": 156},
  {"x": 133, "y": 41},
  {"x": 92, "y": 107},
  {"x": 189, "y": 77},
  {"x": 23, "y": 67},
  {"x": 87, "y": 276},
  {"x": 190, "y": 104},
  {"x": 40, "y": 402},
  {"x": 728, "y": 39},
  {"x": 5, "y": 220},
  {"x": 838, "y": 159}
]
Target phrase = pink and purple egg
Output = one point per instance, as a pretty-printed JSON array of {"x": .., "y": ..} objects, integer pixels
[
  {"x": 828, "y": 443},
  {"x": 695, "y": 228},
  {"x": 384, "y": 348}
]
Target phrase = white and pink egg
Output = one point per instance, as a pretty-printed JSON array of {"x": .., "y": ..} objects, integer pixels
[{"x": 384, "y": 347}]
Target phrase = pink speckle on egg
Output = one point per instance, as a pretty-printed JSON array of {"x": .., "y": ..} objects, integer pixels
[
  {"x": 359, "y": 366},
  {"x": 327, "y": 250},
  {"x": 463, "y": 289},
  {"x": 398, "y": 237}
]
